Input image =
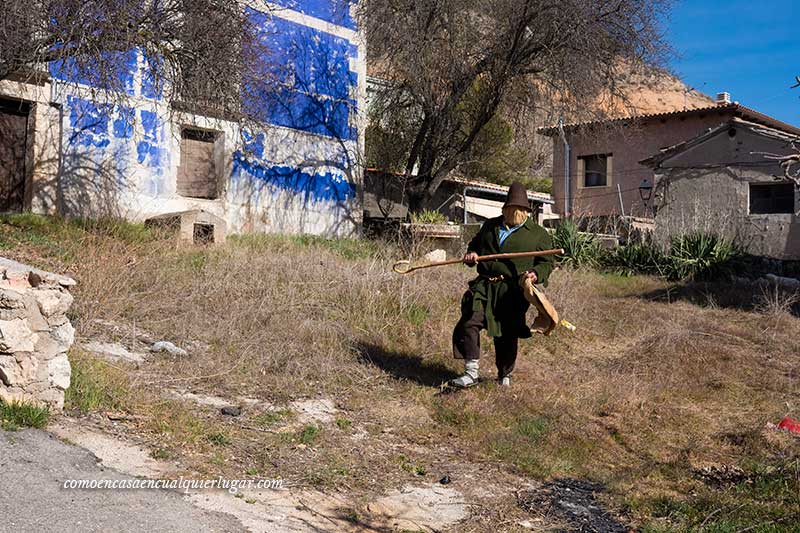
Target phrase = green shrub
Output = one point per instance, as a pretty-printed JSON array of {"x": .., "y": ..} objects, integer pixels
[
  {"x": 701, "y": 256},
  {"x": 14, "y": 415},
  {"x": 636, "y": 258},
  {"x": 581, "y": 249},
  {"x": 428, "y": 217},
  {"x": 694, "y": 257}
]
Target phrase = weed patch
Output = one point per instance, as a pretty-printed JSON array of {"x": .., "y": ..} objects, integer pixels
[
  {"x": 15, "y": 415},
  {"x": 95, "y": 384},
  {"x": 309, "y": 434}
]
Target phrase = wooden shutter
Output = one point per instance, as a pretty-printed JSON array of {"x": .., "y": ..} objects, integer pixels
[{"x": 197, "y": 173}]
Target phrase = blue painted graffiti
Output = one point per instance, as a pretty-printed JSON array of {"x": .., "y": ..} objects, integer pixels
[
  {"x": 326, "y": 186},
  {"x": 123, "y": 124},
  {"x": 148, "y": 150},
  {"x": 95, "y": 125},
  {"x": 333, "y": 11},
  {"x": 305, "y": 58},
  {"x": 89, "y": 122},
  {"x": 118, "y": 72},
  {"x": 151, "y": 86},
  {"x": 314, "y": 83},
  {"x": 253, "y": 144},
  {"x": 304, "y": 112}
]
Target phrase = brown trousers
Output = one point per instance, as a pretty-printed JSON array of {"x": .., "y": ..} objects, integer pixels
[{"x": 467, "y": 343}]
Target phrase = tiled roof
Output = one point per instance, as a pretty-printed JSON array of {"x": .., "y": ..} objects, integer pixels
[
  {"x": 736, "y": 108},
  {"x": 668, "y": 152},
  {"x": 532, "y": 195},
  {"x": 491, "y": 187}
]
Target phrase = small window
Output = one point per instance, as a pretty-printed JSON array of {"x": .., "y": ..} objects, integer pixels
[
  {"x": 197, "y": 173},
  {"x": 771, "y": 198},
  {"x": 595, "y": 170}
]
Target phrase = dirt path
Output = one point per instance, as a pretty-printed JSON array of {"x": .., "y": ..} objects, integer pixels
[
  {"x": 429, "y": 507},
  {"x": 35, "y": 466}
]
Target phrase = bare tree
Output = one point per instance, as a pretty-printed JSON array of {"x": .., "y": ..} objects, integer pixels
[
  {"x": 206, "y": 52},
  {"x": 453, "y": 63},
  {"x": 787, "y": 162}
]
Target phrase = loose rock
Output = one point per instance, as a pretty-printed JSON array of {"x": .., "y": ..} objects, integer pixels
[
  {"x": 114, "y": 350},
  {"x": 414, "y": 508},
  {"x": 231, "y": 411},
  {"x": 166, "y": 346}
]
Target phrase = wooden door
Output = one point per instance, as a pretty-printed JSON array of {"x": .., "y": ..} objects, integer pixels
[
  {"x": 197, "y": 172},
  {"x": 13, "y": 147}
]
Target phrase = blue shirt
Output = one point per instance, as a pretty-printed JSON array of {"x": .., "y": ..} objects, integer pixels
[{"x": 505, "y": 232}]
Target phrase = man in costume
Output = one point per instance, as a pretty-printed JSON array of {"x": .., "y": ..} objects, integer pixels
[{"x": 495, "y": 300}]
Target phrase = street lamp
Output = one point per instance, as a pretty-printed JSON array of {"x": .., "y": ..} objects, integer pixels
[{"x": 646, "y": 192}]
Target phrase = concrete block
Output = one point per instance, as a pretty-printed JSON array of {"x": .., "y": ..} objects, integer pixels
[{"x": 195, "y": 227}]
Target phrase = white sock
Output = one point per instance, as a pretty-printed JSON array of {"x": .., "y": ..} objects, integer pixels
[{"x": 471, "y": 368}]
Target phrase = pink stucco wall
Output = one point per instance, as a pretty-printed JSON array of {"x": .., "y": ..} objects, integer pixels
[{"x": 628, "y": 144}]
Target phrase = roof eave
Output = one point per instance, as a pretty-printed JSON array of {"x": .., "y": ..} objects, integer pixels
[{"x": 734, "y": 107}]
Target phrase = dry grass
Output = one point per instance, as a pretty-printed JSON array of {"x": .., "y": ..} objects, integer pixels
[
  {"x": 657, "y": 382},
  {"x": 775, "y": 301}
]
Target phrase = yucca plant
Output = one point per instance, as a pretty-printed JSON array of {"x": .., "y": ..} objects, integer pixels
[
  {"x": 581, "y": 249},
  {"x": 636, "y": 258},
  {"x": 701, "y": 256}
]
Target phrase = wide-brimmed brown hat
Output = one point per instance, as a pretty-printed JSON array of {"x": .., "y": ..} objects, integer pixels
[{"x": 517, "y": 196}]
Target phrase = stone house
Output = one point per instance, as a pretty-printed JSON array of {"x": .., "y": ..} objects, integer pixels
[
  {"x": 67, "y": 148},
  {"x": 597, "y": 167},
  {"x": 720, "y": 182}
]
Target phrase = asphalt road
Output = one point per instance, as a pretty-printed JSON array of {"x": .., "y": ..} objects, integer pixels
[{"x": 33, "y": 467}]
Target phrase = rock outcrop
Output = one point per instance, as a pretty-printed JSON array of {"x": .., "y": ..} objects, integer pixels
[{"x": 35, "y": 334}]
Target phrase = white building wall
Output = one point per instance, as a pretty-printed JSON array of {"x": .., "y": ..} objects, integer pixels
[{"x": 100, "y": 155}]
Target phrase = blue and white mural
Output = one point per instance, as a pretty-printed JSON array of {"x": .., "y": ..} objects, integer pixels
[{"x": 292, "y": 169}]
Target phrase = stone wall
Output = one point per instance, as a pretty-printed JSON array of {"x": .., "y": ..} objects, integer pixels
[{"x": 35, "y": 334}]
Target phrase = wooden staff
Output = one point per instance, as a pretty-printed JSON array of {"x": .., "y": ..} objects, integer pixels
[{"x": 398, "y": 266}]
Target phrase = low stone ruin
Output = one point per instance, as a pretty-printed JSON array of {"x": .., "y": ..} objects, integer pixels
[{"x": 35, "y": 334}]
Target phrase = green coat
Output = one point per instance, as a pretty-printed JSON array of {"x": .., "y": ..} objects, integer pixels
[{"x": 503, "y": 302}]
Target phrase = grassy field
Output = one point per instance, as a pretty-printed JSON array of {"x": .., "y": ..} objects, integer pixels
[{"x": 661, "y": 395}]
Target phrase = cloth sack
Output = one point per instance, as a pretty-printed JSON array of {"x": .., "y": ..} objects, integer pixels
[{"x": 547, "y": 317}]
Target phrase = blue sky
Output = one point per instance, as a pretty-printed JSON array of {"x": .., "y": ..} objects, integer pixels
[{"x": 746, "y": 47}]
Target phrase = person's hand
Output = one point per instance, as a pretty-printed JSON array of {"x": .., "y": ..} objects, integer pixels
[
  {"x": 471, "y": 259},
  {"x": 531, "y": 275}
]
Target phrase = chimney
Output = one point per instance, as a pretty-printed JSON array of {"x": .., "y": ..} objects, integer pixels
[{"x": 723, "y": 98}]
